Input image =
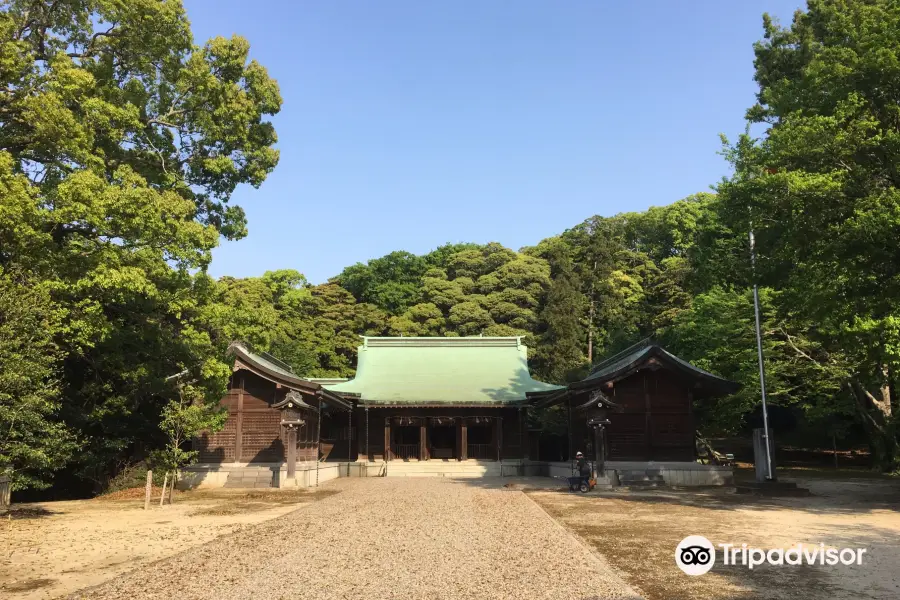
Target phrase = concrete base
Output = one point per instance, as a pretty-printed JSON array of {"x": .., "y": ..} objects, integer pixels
[
  {"x": 680, "y": 474},
  {"x": 632, "y": 474},
  {"x": 271, "y": 475}
]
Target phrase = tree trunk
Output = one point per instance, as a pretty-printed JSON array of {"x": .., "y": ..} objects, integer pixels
[
  {"x": 876, "y": 413},
  {"x": 590, "y": 349}
]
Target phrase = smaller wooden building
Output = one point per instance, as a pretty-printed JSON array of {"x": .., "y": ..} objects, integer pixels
[
  {"x": 638, "y": 405},
  {"x": 274, "y": 416}
]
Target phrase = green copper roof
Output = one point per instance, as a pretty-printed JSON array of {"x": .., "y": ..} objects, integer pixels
[{"x": 432, "y": 370}]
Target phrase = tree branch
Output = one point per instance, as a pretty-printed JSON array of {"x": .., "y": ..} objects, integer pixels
[
  {"x": 111, "y": 32},
  {"x": 790, "y": 341}
]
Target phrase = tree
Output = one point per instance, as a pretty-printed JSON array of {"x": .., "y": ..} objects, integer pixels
[
  {"x": 561, "y": 336},
  {"x": 717, "y": 334},
  {"x": 389, "y": 282},
  {"x": 821, "y": 190},
  {"x": 33, "y": 444},
  {"x": 185, "y": 417},
  {"x": 597, "y": 245},
  {"x": 120, "y": 146}
]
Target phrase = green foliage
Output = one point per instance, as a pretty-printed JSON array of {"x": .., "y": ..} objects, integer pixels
[
  {"x": 389, "y": 282},
  {"x": 122, "y": 143},
  {"x": 821, "y": 191},
  {"x": 561, "y": 349},
  {"x": 33, "y": 444},
  {"x": 717, "y": 334},
  {"x": 183, "y": 418},
  {"x": 461, "y": 289}
]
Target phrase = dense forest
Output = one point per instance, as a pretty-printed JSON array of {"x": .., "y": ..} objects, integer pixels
[{"x": 121, "y": 144}]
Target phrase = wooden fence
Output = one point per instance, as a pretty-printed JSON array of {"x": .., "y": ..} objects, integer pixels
[
  {"x": 482, "y": 451},
  {"x": 405, "y": 451}
]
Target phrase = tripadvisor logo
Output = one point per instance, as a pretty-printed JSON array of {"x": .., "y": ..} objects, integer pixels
[{"x": 696, "y": 555}]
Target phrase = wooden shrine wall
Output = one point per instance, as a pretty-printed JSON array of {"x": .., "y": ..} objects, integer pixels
[
  {"x": 253, "y": 432},
  {"x": 656, "y": 422}
]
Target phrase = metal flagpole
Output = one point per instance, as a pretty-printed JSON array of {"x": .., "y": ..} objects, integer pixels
[{"x": 759, "y": 353}]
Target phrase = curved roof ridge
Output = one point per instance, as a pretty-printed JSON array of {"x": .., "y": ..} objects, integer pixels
[{"x": 424, "y": 341}]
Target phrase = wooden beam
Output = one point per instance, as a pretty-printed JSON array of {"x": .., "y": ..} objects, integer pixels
[
  {"x": 498, "y": 424},
  {"x": 523, "y": 428},
  {"x": 648, "y": 420},
  {"x": 239, "y": 421},
  {"x": 423, "y": 440},
  {"x": 387, "y": 438},
  {"x": 464, "y": 440},
  {"x": 571, "y": 456}
]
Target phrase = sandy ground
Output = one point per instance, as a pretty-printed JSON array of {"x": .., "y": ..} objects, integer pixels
[
  {"x": 388, "y": 538},
  {"x": 54, "y": 548},
  {"x": 638, "y": 533}
]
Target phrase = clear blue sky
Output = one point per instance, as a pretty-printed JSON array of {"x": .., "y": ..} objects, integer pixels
[{"x": 408, "y": 124}]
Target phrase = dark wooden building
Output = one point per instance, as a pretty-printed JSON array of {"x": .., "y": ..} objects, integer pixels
[
  {"x": 273, "y": 414},
  {"x": 639, "y": 406},
  {"x": 413, "y": 399},
  {"x": 441, "y": 398}
]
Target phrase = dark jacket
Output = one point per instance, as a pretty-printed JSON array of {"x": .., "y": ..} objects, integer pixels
[{"x": 583, "y": 468}]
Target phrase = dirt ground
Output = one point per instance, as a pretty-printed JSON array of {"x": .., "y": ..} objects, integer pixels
[
  {"x": 637, "y": 532},
  {"x": 51, "y": 549},
  {"x": 387, "y": 538}
]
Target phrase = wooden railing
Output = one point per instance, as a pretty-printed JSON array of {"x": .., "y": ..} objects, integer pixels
[
  {"x": 482, "y": 451},
  {"x": 405, "y": 451}
]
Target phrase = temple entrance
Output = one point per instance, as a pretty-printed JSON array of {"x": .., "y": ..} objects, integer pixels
[
  {"x": 405, "y": 445},
  {"x": 442, "y": 440}
]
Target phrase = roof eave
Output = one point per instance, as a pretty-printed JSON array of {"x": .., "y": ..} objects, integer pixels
[{"x": 714, "y": 383}]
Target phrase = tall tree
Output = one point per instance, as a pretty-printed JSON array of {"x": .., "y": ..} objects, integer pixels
[
  {"x": 121, "y": 143},
  {"x": 562, "y": 336},
  {"x": 33, "y": 443},
  {"x": 821, "y": 190}
]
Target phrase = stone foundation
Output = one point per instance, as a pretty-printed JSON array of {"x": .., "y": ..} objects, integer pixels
[{"x": 632, "y": 474}]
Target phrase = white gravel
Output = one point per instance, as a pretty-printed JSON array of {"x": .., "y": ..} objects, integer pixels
[{"x": 387, "y": 538}]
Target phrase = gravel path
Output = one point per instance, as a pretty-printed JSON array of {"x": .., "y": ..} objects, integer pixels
[{"x": 387, "y": 538}]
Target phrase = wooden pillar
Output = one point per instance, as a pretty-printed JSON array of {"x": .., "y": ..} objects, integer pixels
[
  {"x": 387, "y": 438},
  {"x": 648, "y": 421},
  {"x": 498, "y": 424},
  {"x": 239, "y": 420},
  {"x": 318, "y": 437},
  {"x": 360, "y": 434},
  {"x": 464, "y": 439},
  {"x": 571, "y": 456},
  {"x": 291, "y": 452},
  {"x": 423, "y": 440},
  {"x": 692, "y": 427},
  {"x": 523, "y": 425}
]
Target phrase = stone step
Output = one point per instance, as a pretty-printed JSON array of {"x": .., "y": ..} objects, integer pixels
[{"x": 258, "y": 477}]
